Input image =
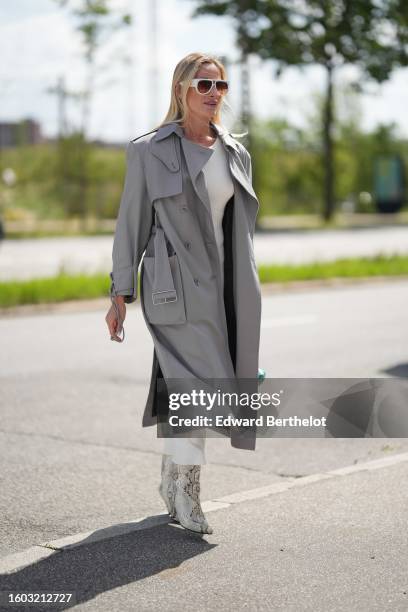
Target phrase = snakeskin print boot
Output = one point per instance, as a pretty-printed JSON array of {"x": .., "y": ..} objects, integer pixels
[
  {"x": 167, "y": 488},
  {"x": 187, "y": 499}
]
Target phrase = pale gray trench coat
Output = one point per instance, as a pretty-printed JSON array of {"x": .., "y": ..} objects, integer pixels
[{"x": 165, "y": 215}]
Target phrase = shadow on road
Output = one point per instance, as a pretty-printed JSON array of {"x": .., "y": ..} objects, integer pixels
[
  {"x": 90, "y": 567},
  {"x": 400, "y": 370}
]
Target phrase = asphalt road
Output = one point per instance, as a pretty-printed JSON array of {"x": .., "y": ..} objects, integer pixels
[
  {"x": 75, "y": 459},
  {"x": 41, "y": 257}
]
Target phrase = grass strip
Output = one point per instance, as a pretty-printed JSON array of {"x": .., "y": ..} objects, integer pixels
[
  {"x": 60, "y": 288},
  {"x": 356, "y": 267},
  {"x": 65, "y": 286}
]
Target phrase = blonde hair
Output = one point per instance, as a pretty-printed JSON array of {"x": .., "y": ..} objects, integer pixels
[{"x": 185, "y": 71}]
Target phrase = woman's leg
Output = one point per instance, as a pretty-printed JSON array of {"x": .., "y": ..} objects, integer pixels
[{"x": 185, "y": 451}]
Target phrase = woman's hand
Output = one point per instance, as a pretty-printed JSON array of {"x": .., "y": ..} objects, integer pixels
[{"x": 115, "y": 317}]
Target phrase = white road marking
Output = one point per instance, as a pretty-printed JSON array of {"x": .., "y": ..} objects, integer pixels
[{"x": 16, "y": 561}]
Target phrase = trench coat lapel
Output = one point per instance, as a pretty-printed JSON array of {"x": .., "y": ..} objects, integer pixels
[{"x": 236, "y": 166}]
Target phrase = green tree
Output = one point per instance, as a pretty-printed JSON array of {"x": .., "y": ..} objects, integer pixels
[{"x": 371, "y": 34}]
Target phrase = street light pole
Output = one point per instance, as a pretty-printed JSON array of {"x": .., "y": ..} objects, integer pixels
[
  {"x": 246, "y": 98},
  {"x": 153, "y": 76}
]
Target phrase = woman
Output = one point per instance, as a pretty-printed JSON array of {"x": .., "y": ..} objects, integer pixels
[{"x": 188, "y": 205}]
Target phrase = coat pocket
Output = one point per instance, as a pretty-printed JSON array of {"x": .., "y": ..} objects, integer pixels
[{"x": 162, "y": 304}]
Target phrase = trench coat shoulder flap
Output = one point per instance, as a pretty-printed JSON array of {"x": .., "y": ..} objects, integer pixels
[{"x": 163, "y": 169}]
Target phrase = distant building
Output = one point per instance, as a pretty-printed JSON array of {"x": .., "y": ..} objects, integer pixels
[{"x": 27, "y": 131}]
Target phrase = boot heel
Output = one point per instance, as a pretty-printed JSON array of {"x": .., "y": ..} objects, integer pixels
[{"x": 167, "y": 487}]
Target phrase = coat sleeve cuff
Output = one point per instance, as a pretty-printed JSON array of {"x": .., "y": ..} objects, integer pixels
[{"x": 123, "y": 282}]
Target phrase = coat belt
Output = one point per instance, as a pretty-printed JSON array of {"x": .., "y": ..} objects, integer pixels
[{"x": 163, "y": 284}]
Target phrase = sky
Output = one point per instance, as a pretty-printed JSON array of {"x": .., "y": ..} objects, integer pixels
[{"x": 39, "y": 43}]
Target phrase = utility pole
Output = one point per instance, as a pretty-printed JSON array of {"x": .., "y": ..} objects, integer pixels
[
  {"x": 153, "y": 75},
  {"x": 130, "y": 123},
  {"x": 62, "y": 94},
  {"x": 246, "y": 98},
  {"x": 245, "y": 101}
]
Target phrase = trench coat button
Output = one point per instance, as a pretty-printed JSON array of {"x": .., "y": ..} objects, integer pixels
[
  {"x": 184, "y": 208},
  {"x": 197, "y": 282},
  {"x": 187, "y": 245}
]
